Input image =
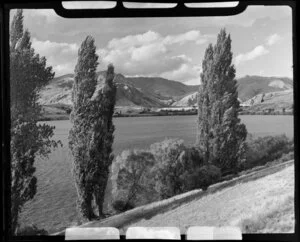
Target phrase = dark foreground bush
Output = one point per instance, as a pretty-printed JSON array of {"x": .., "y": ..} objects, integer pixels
[
  {"x": 174, "y": 165},
  {"x": 31, "y": 230},
  {"x": 203, "y": 177},
  {"x": 144, "y": 176},
  {"x": 133, "y": 180},
  {"x": 261, "y": 150},
  {"x": 283, "y": 158}
]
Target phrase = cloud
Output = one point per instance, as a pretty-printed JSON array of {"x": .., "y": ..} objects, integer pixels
[
  {"x": 61, "y": 56},
  {"x": 193, "y": 35},
  {"x": 147, "y": 52},
  {"x": 150, "y": 59},
  {"x": 273, "y": 39},
  {"x": 151, "y": 37},
  {"x": 134, "y": 40},
  {"x": 185, "y": 73},
  {"x": 251, "y": 55},
  {"x": 151, "y": 54}
]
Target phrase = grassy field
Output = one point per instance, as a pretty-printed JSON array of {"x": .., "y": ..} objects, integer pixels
[
  {"x": 54, "y": 206},
  {"x": 279, "y": 220},
  {"x": 265, "y": 205}
]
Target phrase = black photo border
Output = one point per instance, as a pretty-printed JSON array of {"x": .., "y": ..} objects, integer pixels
[{"x": 120, "y": 11}]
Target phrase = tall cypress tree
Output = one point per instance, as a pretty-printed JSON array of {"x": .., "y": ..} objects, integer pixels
[
  {"x": 16, "y": 31},
  {"x": 28, "y": 74},
  {"x": 83, "y": 89},
  {"x": 220, "y": 133},
  {"x": 91, "y": 137},
  {"x": 103, "y": 103}
]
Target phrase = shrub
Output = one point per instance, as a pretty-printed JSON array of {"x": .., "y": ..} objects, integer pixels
[
  {"x": 192, "y": 159},
  {"x": 203, "y": 177},
  {"x": 169, "y": 165},
  {"x": 283, "y": 158},
  {"x": 132, "y": 180},
  {"x": 261, "y": 150},
  {"x": 143, "y": 176},
  {"x": 287, "y": 157},
  {"x": 175, "y": 165},
  {"x": 31, "y": 230}
]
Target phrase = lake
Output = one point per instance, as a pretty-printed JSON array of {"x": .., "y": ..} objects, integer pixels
[{"x": 54, "y": 206}]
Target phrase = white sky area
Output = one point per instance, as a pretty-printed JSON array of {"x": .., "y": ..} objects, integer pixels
[{"x": 172, "y": 48}]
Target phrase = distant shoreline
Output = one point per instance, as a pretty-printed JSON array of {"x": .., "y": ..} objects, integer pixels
[{"x": 66, "y": 117}]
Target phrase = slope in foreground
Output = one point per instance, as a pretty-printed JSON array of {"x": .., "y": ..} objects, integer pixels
[{"x": 264, "y": 205}]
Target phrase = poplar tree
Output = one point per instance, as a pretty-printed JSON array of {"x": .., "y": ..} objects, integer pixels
[
  {"x": 101, "y": 114},
  {"x": 91, "y": 136},
  {"x": 28, "y": 74},
  {"x": 221, "y": 135}
]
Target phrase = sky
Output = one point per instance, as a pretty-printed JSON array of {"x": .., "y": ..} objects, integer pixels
[{"x": 171, "y": 48}]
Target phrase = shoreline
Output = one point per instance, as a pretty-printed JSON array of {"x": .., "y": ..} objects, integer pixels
[{"x": 66, "y": 117}]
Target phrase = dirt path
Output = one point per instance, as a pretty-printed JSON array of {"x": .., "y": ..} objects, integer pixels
[{"x": 232, "y": 205}]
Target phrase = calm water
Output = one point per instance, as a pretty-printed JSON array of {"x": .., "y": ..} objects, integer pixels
[
  {"x": 140, "y": 132},
  {"x": 54, "y": 206}
]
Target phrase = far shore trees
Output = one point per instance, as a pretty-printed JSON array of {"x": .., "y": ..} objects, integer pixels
[
  {"x": 221, "y": 136},
  {"x": 91, "y": 136},
  {"x": 28, "y": 74}
]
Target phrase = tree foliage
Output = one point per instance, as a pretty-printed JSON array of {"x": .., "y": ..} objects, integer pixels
[
  {"x": 91, "y": 136},
  {"x": 166, "y": 169},
  {"x": 169, "y": 166},
  {"x": 202, "y": 177},
  {"x": 31, "y": 230},
  {"x": 132, "y": 179},
  {"x": 261, "y": 150},
  {"x": 220, "y": 135},
  {"x": 29, "y": 139}
]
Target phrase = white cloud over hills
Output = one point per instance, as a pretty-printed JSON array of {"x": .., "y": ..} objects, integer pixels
[
  {"x": 146, "y": 54},
  {"x": 61, "y": 56},
  {"x": 251, "y": 55},
  {"x": 273, "y": 39},
  {"x": 152, "y": 54}
]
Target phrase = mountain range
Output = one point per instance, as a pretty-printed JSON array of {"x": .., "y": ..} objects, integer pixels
[{"x": 157, "y": 92}]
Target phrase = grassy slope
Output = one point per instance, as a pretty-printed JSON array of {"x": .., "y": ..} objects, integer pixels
[
  {"x": 274, "y": 100},
  {"x": 268, "y": 199},
  {"x": 280, "y": 219},
  {"x": 250, "y": 86}
]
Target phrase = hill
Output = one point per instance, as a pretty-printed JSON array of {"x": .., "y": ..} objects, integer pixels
[
  {"x": 188, "y": 100},
  {"x": 156, "y": 92},
  {"x": 278, "y": 92},
  {"x": 161, "y": 87},
  {"x": 137, "y": 91},
  {"x": 250, "y": 86},
  {"x": 272, "y": 101}
]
